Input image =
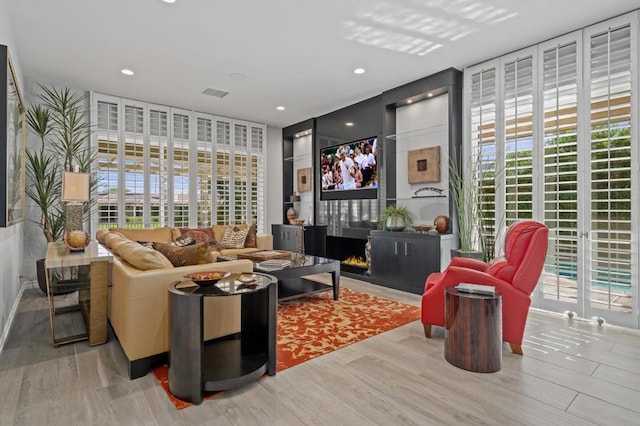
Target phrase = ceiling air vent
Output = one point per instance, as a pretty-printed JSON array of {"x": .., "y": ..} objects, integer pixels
[{"x": 215, "y": 92}]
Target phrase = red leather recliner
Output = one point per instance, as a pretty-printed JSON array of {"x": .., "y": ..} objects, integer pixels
[{"x": 515, "y": 275}]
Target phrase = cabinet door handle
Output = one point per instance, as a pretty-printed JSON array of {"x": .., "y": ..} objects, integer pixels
[
  {"x": 407, "y": 251},
  {"x": 396, "y": 248}
]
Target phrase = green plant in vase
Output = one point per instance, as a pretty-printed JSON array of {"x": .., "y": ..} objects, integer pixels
[{"x": 396, "y": 218}]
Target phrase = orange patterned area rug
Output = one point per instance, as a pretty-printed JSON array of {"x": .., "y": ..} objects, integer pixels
[{"x": 312, "y": 326}]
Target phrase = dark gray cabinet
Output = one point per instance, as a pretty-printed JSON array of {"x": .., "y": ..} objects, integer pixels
[
  {"x": 286, "y": 237},
  {"x": 402, "y": 260}
]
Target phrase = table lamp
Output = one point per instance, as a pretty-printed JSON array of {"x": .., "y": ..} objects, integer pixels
[{"x": 75, "y": 192}]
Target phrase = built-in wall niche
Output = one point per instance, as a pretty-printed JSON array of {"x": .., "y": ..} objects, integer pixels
[
  {"x": 303, "y": 181},
  {"x": 422, "y": 130}
]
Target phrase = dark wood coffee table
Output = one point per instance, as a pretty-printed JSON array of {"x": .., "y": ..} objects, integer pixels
[{"x": 292, "y": 281}]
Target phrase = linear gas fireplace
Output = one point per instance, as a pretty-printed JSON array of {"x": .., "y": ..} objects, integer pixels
[{"x": 350, "y": 253}]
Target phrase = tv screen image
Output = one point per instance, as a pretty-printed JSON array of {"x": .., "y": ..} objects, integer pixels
[{"x": 349, "y": 170}]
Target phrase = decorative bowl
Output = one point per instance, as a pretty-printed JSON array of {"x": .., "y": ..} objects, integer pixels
[
  {"x": 76, "y": 240},
  {"x": 207, "y": 278},
  {"x": 423, "y": 228}
]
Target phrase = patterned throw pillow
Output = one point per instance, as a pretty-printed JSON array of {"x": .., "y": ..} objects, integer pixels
[
  {"x": 180, "y": 243},
  {"x": 206, "y": 229},
  {"x": 197, "y": 237},
  {"x": 252, "y": 238},
  {"x": 196, "y": 254},
  {"x": 234, "y": 238}
]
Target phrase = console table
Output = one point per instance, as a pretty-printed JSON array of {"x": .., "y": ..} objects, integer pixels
[
  {"x": 285, "y": 238},
  {"x": 403, "y": 260},
  {"x": 92, "y": 293},
  {"x": 196, "y": 366}
]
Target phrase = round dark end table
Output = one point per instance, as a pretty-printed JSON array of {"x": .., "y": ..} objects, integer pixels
[
  {"x": 196, "y": 366},
  {"x": 473, "y": 330}
]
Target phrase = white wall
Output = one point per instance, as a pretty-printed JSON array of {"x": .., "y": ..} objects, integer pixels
[
  {"x": 423, "y": 125},
  {"x": 302, "y": 154},
  {"x": 11, "y": 238},
  {"x": 273, "y": 172}
]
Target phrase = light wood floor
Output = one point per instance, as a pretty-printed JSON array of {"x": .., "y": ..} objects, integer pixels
[{"x": 572, "y": 373}]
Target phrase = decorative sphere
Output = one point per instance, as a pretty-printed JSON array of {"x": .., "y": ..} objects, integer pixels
[
  {"x": 76, "y": 239},
  {"x": 441, "y": 223}
]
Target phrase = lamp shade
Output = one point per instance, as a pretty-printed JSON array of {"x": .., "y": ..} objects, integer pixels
[{"x": 75, "y": 187}]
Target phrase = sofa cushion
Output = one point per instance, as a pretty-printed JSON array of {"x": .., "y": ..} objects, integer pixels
[
  {"x": 234, "y": 237},
  {"x": 188, "y": 255},
  {"x": 116, "y": 243},
  {"x": 110, "y": 237},
  {"x": 141, "y": 257},
  {"x": 100, "y": 235},
  {"x": 252, "y": 238},
  {"x": 163, "y": 235},
  {"x": 218, "y": 232}
]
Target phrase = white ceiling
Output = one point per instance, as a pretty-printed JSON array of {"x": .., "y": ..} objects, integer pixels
[{"x": 296, "y": 53}]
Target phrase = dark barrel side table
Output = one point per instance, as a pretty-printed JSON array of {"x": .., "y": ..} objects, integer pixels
[
  {"x": 473, "y": 330},
  {"x": 196, "y": 366}
]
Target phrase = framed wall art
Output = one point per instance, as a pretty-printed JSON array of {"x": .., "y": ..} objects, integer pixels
[
  {"x": 304, "y": 180},
  {"x": 12, "y": 145},
  {"x": 424, "y": 165}
]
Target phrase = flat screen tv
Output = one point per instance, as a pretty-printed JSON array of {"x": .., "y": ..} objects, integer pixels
[{"x": 349, "y": 170}]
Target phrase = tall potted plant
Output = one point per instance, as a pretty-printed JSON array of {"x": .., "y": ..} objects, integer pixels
[
  {"x": 464, "y": 191},
  {"x": 60, "y": 121}
]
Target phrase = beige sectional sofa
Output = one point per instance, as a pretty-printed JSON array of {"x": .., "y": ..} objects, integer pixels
[{"x": 139, "y": 300}]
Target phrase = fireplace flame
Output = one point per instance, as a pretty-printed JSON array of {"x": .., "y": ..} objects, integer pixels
[{"x": 355, "y": 261}]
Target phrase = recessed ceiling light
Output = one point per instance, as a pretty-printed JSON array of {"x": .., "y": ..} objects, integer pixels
[
  {"x": 280, "y": 108},
  {"x": 126, "y": 71},
  {"x": 409, "y": 101},
  {"x": 429, "y": 95},
  {"x": 169, "y": 1},
  {"x": 358, "y": 71},
  {"x": 237, "y": 76},
  {"x": 348, "y": 124}
]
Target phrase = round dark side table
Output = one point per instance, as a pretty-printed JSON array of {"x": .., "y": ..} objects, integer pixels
[
  {"x": 196, "y": 366},
  {"x": 473, "y": 330}
]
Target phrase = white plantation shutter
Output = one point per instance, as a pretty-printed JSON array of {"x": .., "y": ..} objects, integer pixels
[
  {"x": 223, "y": 172},
  {"x": 518, "y": 133},
  {"x": 257, "y": 177},
  {"x": 240, "y": 171},
  {"x": 610, "y": 84},
  {"x": 565, "y": 130},
  {"x": 162, "y": 166},
  {"x": 560, "y": 84},
  {"x": 134, "y": 160},
  {"x": 205, "y": 170},
  {"x": 179, "y": 160},
  {"x": 158, "y": 174},
  {"x": 107, "y": 164},
  {"x": 482, "y": 116}
]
